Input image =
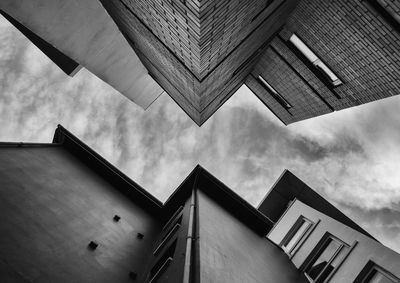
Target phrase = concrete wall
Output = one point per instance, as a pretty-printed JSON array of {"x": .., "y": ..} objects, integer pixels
[
  {"x": 85, "y": 32},
  {"x": 52, "y": 206},
  {"x": 366, "y": 248},
  {"x": 232, "y": 252}
]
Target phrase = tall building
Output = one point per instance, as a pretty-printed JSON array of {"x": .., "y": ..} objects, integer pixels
[
  {"x": 301, "y": 58},
  {"x": 68, "y": 215}
]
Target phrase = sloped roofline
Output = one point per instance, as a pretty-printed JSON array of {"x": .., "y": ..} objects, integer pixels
[
  {"x": 201, "y": 179},
  {"x": 198, "y": 179},
  {"x": 289, "y": 187}
]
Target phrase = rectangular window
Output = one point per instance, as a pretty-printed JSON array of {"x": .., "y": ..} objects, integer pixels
[
  {"x": 173, "y": 217},
  {"x": 163, "y": 263},
  {"x": 168, "y": 235},
  {"x": 373, "y": 273},
  {"x": 262, "y": 10},
  {"x": 282, "y": 101},
  {"x": 169, "y": 229},
  {"x": 296, "y": 235},
  {"x": 325, "y": 258},
  {"x": 387, "y": 10},
  {"x": 315, "y": 61}
]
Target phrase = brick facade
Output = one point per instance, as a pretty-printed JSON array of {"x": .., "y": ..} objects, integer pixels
[
  {"x": 199, "y": 66},
  {"x": 358, "y": 43}
]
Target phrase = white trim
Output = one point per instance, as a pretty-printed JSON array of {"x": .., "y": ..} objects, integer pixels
[{"x": 161, "y": 269}]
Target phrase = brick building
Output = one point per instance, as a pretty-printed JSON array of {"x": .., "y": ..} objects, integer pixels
[
  {"x": 358, "y": 41},
  {"x": 67, "y": 215},
  {"x": 301, "y": 58}
]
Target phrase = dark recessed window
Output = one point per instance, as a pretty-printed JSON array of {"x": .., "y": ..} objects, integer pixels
[
  {"x": 296, "y": 235},
  {"x": 315, "y": 61},
  {"x": 262, "y": 10},
  {"x": 172, "y": 218},
  {"x": 325, "y": 258},
  {"x": 373, "y": 273},
  {"x": 282, "y": 101},
  {"x": 387, "y": 11},
  {"x": 168, "y": 234},
  {"x": 162, "y": 264}
]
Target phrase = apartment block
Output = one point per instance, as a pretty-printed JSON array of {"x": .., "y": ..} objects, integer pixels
[{"x": 68, "y": 215}]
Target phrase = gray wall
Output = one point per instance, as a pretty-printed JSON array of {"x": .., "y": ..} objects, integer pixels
[
  {"x": 52, "y": 206},
  {"x": 366, "y": 248},
  {"x": 232, "y": 252}
]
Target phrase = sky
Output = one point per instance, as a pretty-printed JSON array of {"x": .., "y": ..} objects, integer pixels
[{"x": 351, "y": 157}]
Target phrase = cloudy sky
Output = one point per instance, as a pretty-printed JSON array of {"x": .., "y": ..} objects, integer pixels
[{"x": 351, "y": 157}]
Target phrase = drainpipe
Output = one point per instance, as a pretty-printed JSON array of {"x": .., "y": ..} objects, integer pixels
[{"x": 189, "y": 239}]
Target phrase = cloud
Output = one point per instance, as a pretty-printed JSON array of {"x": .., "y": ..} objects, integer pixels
[{"x": 351, "y": 157}]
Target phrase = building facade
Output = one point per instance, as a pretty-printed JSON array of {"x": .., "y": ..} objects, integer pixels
[
  {"x": 321, "y": 241},
  {"x": 301, "y": 58},
  {"x": 331, "y": 55},
  {"x": 70, "y": 216}
]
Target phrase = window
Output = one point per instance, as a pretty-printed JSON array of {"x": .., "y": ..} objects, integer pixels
[
  {"x": 387, "y": 11},
  {"x": 282, "y": 101},
  {"x": 171, "y": 219},
  {"x": 325, "y": 258},
  {"x": 168, "y": 235},
  {"x": 173, "y": 225},
  {"x": 372, "y": 273},
  {"x": 262, "y": 10},
  {"x": 163, "y": 263},
  {"x": 315, "y": 61},
  {"x": 296, "y": 234}
]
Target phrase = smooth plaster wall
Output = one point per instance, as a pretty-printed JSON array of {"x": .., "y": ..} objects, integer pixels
[
  {"x": 232, "y": 252},
  {"x": 52, "y": 206},
  {"x": 86, "y": 33},
  {"x": 365, "y": 250}
]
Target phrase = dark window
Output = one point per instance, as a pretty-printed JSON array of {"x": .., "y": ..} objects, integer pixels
[
  {"x": 387, "y": 12},
  {"x": 168, "y": 234},
  {"x": 373, "y": 273},
  {"x": 262, "y": 10},
  {"x": 325, "y": 258},
  {"x": 281, "y": 100},
  {"x": 172, "y": 218},
  {"x": 163, "y": 263}
]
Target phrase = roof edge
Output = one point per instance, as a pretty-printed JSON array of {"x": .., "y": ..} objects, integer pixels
[{"x": 62, "y": 137}]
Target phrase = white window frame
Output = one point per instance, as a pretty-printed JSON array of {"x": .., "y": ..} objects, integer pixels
[
  {"x": 377, "y": 269},
  {"x": 292, "y": 232},
  {"x": 315, "y": 60},
  {"x": 316, "y": 253}
]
